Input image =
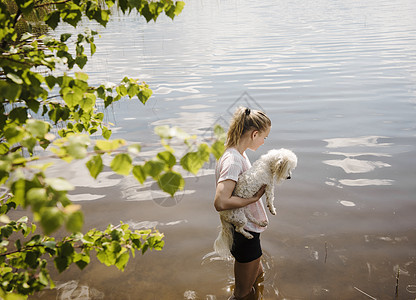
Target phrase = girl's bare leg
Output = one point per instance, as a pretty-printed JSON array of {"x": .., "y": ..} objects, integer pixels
[
  {"x": 258, "y": 287},
  {"x": 245, "y": 277}
]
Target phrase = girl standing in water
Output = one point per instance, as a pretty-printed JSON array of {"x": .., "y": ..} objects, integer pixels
[{"x": 248, "y": 130}]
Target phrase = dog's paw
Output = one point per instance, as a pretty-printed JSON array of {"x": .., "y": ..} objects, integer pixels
[
  {"x": 248, "y": 236},
  {"x": 245, "y": 233},
  {"x": 264, "y": 223}
]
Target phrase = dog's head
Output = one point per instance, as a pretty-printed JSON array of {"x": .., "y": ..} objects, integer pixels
[{"x": 283, "y": 162}]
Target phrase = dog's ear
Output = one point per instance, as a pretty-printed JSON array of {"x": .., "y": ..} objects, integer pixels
[
  {"x": 276, "y": 166},
  {"x": 281, "y": 169}
]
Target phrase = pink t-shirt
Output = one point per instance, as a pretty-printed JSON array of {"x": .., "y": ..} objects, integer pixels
[{"x": 230, "y": 166}]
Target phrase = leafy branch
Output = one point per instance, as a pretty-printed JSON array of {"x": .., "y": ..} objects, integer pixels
[{"x": 29, "y": 113}]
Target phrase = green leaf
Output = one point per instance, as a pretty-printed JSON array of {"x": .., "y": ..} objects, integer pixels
[
  {"x": 171, "y": 182},
  {"x": 72, "y": 16},
  {"x": 115, "y": 247},
  {"x": 109, "y": 146},
  {"x": 219, "y": 133},
  {"x": 51, "y": 218},
  {"x": 121, "y": 164},
  {"x": 44, "y": 278},
  {"x": 139, "y": 173},
  {"x": 166, "y": 132},
  {"x": 134, "y": 149},
  {"x": 106, "y": 132},
  {"x": 121, "y": 90},
  {"x": 37, "y": 128},
  {"x": 4, "y": 148},
  {"x": 9, "y": 90},
  {"x": 77, "y": 145},
  {"x": 18, "y": 190},
  {"x": 146, "y": 12},
  {"x": 61, "y": 263},
  {"x": 36, "y": 198},
  {"x": 14, "y": 134},
  {"x": 175, "y": 10},
  {"x": 72, "y": 96},
  {"x": 168, "y": 158},
  {"x": 218, "y": 149},
  {"x": 163, "y": 131},
  {"x": 133, "y": 90},
  {"x": 88, "y": 102},
  {"x": 53, "y": 19},
  {"x": 75, "y": 221},
  {"x": 93, "y": 48},
  {"x": 81, "y": 76},
  {"x": 50, "y": 81},
  {"x": 179, "y": 7},
  {"x": 29, "y": 143},
  {"x": 19, "y": 114},
  {"x": 15, "y": 78},
  {"x": 95, "y": 165},
  {"x": 59, "y": 184},
  {"x": 81, "y": 260},
  {"x": 65, "y": 37},
  {"x": 31, "y": 258},
  {"x": 67, "y": 249},
  {"x": 144, "y": 95},
  {"x": 122, "y": 261},
  {"x": 153, "y": 168},
  {"x": 50, "y": 244},
  {"x": 193, "y": 161},
  {"x": 81, "y": 60},
  {"x": 102, "y": 257},
  {"x": 12, "y": 296}
]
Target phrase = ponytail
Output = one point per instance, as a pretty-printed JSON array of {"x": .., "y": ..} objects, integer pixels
[{"x": 245, "y": 119}]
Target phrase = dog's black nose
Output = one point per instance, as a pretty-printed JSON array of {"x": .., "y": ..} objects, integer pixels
[{"x": 288, "y": 177}]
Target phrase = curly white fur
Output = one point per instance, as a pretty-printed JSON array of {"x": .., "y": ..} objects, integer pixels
[{"x": 276, "y": 165}]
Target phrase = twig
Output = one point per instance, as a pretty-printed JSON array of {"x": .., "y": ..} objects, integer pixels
[
  {"x": 364, "y": 293},
  {"x": 397, "y": 283},
  {"x": 51, "y": 3},
  {"x": 326, "y": 251}
]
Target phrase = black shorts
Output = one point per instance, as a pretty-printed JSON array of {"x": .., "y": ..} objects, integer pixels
[{"x": 246, "y": 250}]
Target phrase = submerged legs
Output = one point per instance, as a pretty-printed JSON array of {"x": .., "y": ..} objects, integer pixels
[{"x": 247, "y": 279}]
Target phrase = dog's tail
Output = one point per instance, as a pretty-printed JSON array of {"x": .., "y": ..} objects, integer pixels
[{"x": 224, "y": 241}]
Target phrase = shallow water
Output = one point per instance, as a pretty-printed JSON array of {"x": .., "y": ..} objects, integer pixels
[{"x": 338, "y": 80}]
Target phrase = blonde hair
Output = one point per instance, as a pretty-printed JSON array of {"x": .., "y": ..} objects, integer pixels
[{"x": 245, "y": 119}]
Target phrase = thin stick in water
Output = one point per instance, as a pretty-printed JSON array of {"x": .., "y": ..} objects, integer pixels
[
  {"x": 397, "y": 283},
  {"x": 326, "y": 251},
  {"x": 364, "y": 293}
]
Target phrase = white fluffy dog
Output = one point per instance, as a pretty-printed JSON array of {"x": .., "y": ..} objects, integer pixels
[{"x": 276, "y": 165}]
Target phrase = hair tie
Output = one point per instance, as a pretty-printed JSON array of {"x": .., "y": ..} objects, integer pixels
[{"x": 247, "y": 111}]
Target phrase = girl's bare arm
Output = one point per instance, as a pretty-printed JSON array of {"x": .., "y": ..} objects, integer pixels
[{"x": 225, "y": 200}]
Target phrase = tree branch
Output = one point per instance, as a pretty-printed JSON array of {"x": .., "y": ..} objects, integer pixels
[
  {"x": 26, "y": 63},
  {"x": 52, "y": 3}
]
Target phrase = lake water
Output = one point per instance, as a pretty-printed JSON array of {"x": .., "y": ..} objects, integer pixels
[{"x": 338, "y": 80}]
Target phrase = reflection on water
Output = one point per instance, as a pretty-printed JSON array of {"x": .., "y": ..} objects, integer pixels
[
  {"x": 350, "y": 165},
  {"x": 347, "y": 203},
  {"x": 358, "y": 166},
  {"x": 338, "y": 80},
  {"x": 72, "y": 290},
  {"x": 152, "y": 224},
  {"x": 366, "y": 141}
]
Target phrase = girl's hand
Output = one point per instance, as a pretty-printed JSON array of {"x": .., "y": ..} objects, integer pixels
[{"x": 260, "y": 193}]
